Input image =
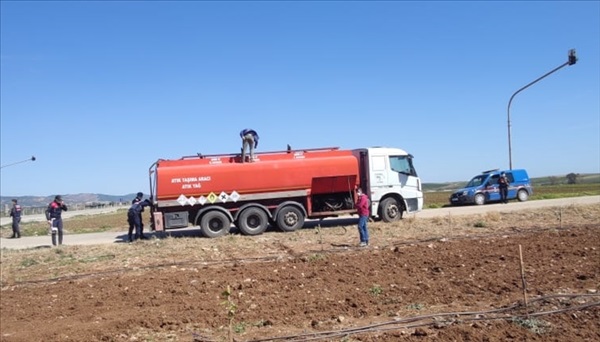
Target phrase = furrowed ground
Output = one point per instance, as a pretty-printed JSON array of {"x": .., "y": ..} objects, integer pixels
[{"x": 438, "y": 279}]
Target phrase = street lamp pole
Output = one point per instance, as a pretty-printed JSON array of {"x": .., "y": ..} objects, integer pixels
[
  {"x": 572, "y": 60},
  {"x": 19, "y": 162}
]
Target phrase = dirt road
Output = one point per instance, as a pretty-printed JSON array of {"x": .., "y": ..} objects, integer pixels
[{"x": 112, "y": 237}]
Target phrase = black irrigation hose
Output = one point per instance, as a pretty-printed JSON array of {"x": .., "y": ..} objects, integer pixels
[
  {"x": 374, "y": 327},
  {"x": 471, "y": 319},
  {"x": 414, "y": 322}
]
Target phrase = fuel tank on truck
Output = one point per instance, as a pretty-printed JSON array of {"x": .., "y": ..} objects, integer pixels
[{"x": 319, "y": 171}]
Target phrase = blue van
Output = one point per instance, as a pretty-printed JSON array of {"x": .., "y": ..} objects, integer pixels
[{"x": 483, "y": 188}]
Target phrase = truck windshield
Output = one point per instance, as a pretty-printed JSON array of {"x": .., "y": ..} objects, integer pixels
[{"x": 402, "y": 164}]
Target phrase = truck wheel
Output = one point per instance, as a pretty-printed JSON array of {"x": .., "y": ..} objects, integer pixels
[
  {"x": 253, "y": 221},
  {"x": 390, "y": 210},
  {"x": 522, "y": 195},
  {"x": 214, "y": 224},
  {"x": 289, "y": 219},
  {"x": 480, "y": 199}
]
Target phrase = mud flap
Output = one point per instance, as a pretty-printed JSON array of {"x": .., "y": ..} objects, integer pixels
[
  {"x": 413, "y": 204},
  {"x": 158, "y": 221}
]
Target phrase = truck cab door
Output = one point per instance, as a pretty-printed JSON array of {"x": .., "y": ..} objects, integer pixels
[{"x": 378, "y": 184}]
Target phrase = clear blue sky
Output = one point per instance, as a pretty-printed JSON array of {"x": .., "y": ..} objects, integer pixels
[{"x": 98, "y": 91}]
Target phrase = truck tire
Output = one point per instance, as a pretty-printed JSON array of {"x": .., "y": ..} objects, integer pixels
[
  {"x": 290, "y": 218},
  {"x": 253, "y": 221},
  {"x": 214, "y": 224},
  {"x": 391, "y": 210}
]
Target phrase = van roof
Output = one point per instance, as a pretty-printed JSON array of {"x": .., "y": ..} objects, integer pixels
[{"x": 500, "y": 171}]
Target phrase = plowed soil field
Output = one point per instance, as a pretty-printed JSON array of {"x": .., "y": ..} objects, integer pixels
[{"x": 527, "y": 276}]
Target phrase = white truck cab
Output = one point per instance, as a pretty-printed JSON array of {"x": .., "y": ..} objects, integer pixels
[{"x": 390, "y": 180}]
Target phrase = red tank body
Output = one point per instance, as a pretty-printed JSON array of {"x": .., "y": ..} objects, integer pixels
[{"x": 318, "y": 171}]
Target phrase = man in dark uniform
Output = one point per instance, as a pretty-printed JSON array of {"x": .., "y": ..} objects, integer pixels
[
  {"x": 138, "y": 198},
  {"x": 250, "y": 141},
  {"x": 54, "y": 217},
  {"x": 15, "y": 213},
  {"x": 503, "y": 186},
  {"x": 134, "y": 217}
]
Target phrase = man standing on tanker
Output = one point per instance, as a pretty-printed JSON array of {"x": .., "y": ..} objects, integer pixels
[
  {"x": 250, "y": 140},
  {"x": 54, "y": 217}
]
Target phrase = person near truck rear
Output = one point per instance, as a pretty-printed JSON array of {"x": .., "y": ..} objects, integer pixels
[
  {"x": 138, "y": 198},
  {"x": 134, "y": 217},
  {"x": 54, "y": 217},
  {"x": 250, "y": 142},
  {"x": 15, "y": 213},
  {"x": 362, "y": 208}
]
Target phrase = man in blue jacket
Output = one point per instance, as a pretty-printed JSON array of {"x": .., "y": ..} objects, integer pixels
[
  {"x": 15, "y": 213},
  {"x": 138, "y": 198},
  {"x": 54, "y": 217},
  {"x": 134, "y": 217}
]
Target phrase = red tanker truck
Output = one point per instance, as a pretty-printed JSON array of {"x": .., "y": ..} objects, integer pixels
[{"x": 280, "y": 188}]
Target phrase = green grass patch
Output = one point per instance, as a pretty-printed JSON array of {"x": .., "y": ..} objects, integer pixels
[
  {"x": 376, "y": 290},
  {"x": 316, "y": 257},
  {"x": 65, "y": 258},
  {"x": 27, "y": 262},
  {"x": 415, "y": 306},
  {"x": 239, "y": 327},
  {"x": 536, "y": 326},
  {"x": 97, "y": 258}
]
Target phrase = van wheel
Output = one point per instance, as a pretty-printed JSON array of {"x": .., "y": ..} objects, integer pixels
[
  {"x": 480, "y": 199},
  {"x": 522, "y": 195},
  {"x": 253, "y": 221},
  {"x": 290, "y": 218},
  {"x": 214, "y": 224},
  {"x": 390, "y": 210}
]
